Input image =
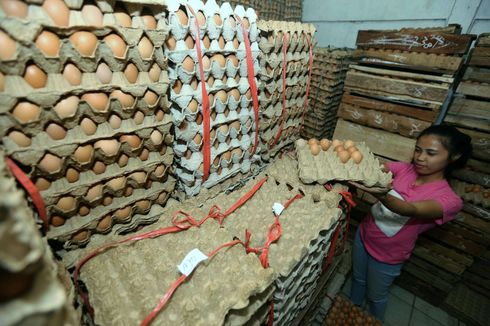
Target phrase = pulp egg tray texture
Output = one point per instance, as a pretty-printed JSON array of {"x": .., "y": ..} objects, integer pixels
[
  {"x": 473, "y": 193},
  {"x": 325, "y": 161},
  {"x": 31, "y": 292},
  {"x": 232, "y": 129},
  {"x": 94, "y": 130}
]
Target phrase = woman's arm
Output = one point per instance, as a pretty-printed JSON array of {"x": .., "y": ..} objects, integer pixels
[{"x": 425, "y": 209}]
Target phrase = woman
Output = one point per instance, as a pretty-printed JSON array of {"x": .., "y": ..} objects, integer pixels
[{"x": 419, "y": 200}]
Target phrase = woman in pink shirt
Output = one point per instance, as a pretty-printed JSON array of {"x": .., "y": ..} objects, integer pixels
[{"x": 419, "y": 200}]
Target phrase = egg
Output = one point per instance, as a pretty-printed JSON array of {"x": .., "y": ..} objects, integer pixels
[
  {"x": 143, "y": 204},
  {"x": 144, "y": 154},
  {"x": 356, "y": 157},
  {"x": 348, "y": 143},
  {"x": 156, "y": 137},
  {"x": 182, "y": 16},
  {"x": 210, "y": 83},
  {"x": 72, "y": 74},
  {"x": 201, "y": 19},
  {"x": 231, "y": 21},
  {"x": 84, "y": 42},
  {"x": 206, "y": 41},
  {"x": 352, "y": 149},
  {"x": 151, "y": 98},
  {"x": 83, "y": 154},
  {"x": 138, "y": 117},
  {"x": 8, "y": 48},
  {"x": 110, "y": 147},
  {"x": 235, "y": 94},
  {"x": 133, "y": 140},
  {"x": 55, "y": 131},
  {"x": 42, "y": 184},
  {"x": 221, "y": 42},
  {"x": 222, "y": 96},
  {"x": 115, "y": 121},
  {"x": 223, "y": 129},
  {"x": 128, "y": 191},
  {"x": 123, "y": 160},
  {"x": 117, "y": 45},
  {"x": 206, "y": 63},
  {"x": 104, "y": 73},
  {"x": 26, "y": 112},
  {"x": 212, "y": 134},
  {"x": 188, "y": 64},
  {"x": 57, "y": 220},
  {"x": 189, "y": 42},
  {"x": 66, "y": 204},
  {"x": 48, "y": 43},
  {"x": 339, "y": 148},
  {"x": 98, "y": 167},
  {"x": 126, "y": 100},
  {"x": 315, "y": 149},
  {"x": 92, "y": 15},
  {"x": 145, "y": 48},
  {"x": 193, "y": 106},
  {"x": 325, "y": 144},
  {"x": 149, "y": 21},
  {"x": 344, "y": 156},
  {"x": 2, "y": 82},
  {"x": 139, "y": 177},
  {"x": 88, "y": 126},
  {"x": 97, "y": 101},
  {"x": 19, "y": 138},
  {"x": 227, "y": 156},
  {"x": 234, "y": 60},
  {"x": 123, "y": 213},
  {"x": 72, "y": 175},
  {"x": 94, "y": 193},
  {"x": 220, "y": 59},
  {"x": 131, "y": 72},
  {"x": 104, "y": 224},
  {"x": 217, "y": 19},
  {"x": 35, "y": 77},
  {"x": 336, "y": 143},
  {"x": 83, "y": 211},
  {"x": 313, "y": 141},
  {"x": 58, "y": 11},
  {"x": 235, "y": 125},
  {"x": 81, "y": 236},
  {"x": 177, "y": 87},
  {"x": 197, "y": 139},
  {"x": 154, "y": 73},
  {"x": 236, "y": 44},
  {"x": 117, "y": 183},
  {"x": 194, "y": 83},
  {"x": 123, "y": 19},
  {"x": 14, "y": 8}
]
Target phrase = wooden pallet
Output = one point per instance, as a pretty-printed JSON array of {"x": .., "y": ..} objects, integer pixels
[
  {"x": 470, "y": 88},
  {"x": 480, "y": 142},
  {"x": 469, "y": 113}
]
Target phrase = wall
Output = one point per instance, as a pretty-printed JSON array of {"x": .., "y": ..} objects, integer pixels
[{"x": 337, "y": 21}]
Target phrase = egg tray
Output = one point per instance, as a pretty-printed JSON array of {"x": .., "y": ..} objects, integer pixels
[
  {"x": 326, "y": 167},
  {"x": 216, "y": 279},
  {"x": 467, "y": 192},
  {"x": 297, "y": 65},
  {"x": 77, "y": 230},
  {"x": 271, "y": 32},
  {"x": 253, "y": 313},
  {"x": 289, "y": 134}
]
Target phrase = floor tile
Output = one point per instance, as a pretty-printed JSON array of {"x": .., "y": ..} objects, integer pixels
[
  {"x": 421, "y": 319},
  {"x": 397, "y": 311},
  {"x": 435, "y": 313},
  {"x": 402, "y": 294}
]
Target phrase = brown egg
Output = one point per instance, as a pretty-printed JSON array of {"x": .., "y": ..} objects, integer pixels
[
  {"x": 42, "y": 184},
  {"x": 126, "y": 100},
  {"x": 25, "y": 112},
  {"x": 160, "y": 170},
  {"x": 206, "y": 63},
  {"x": 84, "y": 42},
  {"x": 315, "y": 149},
  {"x": 2, "y": 82},
  {"x": 217, "y": 20},
  {"x": 97, "y": 101},
  {"x": 104, "y": 224},
  {"x": 352, "y": 149},
  {"x": 325, "y": 144},
  {"x": 117, "y": 45},
  {"x": 313, "y": 141},
  {"x": 336, "y": 143},
  {"x": 144, "y": 154},
  {"x": 193, "y": 83},
  {"x": 123, "y": 19},
  {"x": 72, "y": 74},
  {"x": 231, "y": 21},
  {"x": 139, "y": 177},
  {"x": 177, "y": 86},
  {"x": 151, "y": 98},
  {"x": 348, "y": 143},
  {"x": 149, "y": 21},
  {"x": 235, "y": 93},
  {"x": 72, "y": 175},
  {"x": 344, "y": 156},
  {"x": 99, "y": 167},
  {"x": 339, "y": 148},
  {"x": 143, "y": 204},
  {"x": 188, "y": 64},
  {"x": 66, "y": 204},
  {"x": 48, "y": 43},
  {"x": 236, "y": 44},
  {"x": 155, "y": 73},
  {"x": 235, "y": 125},
  {"x": 83, "y": 154},
  {"x": 128, "y": 191},
  {"x": 115, "y": 121},
  {"x": 117, "y": 183},
  {"x": 123, "y": 160},
  {"x": 14, "y": 8},
  {"x": 145, "y": 48},
  {"x": 156, "y": 137},
  {"x": 221, "y": 42},
  {"x": 50, "y": 163},
  {"x": 107, "y": 200},
  {"x": 55, "y": 131},
  {"x": 92, "y": 15},
  {"x": 206, "y": 41},
  {"x": 81, "y": 236},
  {"x": 57, "y": 220},
  {"x": 94, "y": 193},
  {"x": 182, "y": 16},
  {"x": 67, "y": 107},
  {"x": 83, "y": 210},
  {"x": 8, "y": 48},
  {"x": 223, "y": 129},
  {"x": 222, "y": 96},
  {"x": 88, "y": 126},
  {"x": 58, "y": 11},
  {"x": 110, "y": 147},
  {"x": 123, "y": 213},
  {"x": 189, "y": 42},
  {"x": 133, "y": 140},
  {"x": 138, "y": 117},
  {"x": 220, "y": 59},
  {"x": 35, "y": 77},
  {"x": 234, "y": 60},
  {"x": 104, "y": 73},
  {"x": 19, "y": 138},
  {"x": 131, "y": 72}
]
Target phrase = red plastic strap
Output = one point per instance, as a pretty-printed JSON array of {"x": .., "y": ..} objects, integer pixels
[
  {"x": 270, "y": 321},
  {"x": 161, "y": 304},
  {"x": 284, "y": 68},
  {"x": 251, "y": 81},
  {"x": 331, "y": 249},
  {"x": 31, "y": 189},
  {"x": 206, "y": 147},
  {"x": 305, "y": 104}
]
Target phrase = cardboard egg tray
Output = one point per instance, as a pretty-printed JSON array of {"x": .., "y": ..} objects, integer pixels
[
  {"x": 271, "y": 41},
  {"x": 473, "y": 193},
  {"x": 326, "y": 166},
  {"x": 232, "y": 129}
]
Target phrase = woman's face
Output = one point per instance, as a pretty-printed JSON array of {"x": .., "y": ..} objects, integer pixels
[{"x": 430, "y": 156}]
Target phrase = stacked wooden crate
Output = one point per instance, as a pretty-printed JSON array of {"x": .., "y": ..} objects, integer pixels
[
  {"x": 470, "y": 112},
  {"x": 327, "y": 81}
]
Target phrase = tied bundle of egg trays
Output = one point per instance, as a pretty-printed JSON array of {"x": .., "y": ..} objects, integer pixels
[
  {"x": 325, "y": 160},
  {"x": 82, "y": 108},
  {"x": 232, "y": 127}
]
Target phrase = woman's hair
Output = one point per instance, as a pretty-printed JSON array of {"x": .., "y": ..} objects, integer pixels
[{"x": 456, "y": 143}]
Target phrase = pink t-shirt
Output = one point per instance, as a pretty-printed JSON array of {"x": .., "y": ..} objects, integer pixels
[{"x": 397, "y": 249}]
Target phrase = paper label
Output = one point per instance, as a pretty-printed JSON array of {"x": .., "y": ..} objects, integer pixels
[
  {"x": 277, "y": 208},
  {"x": 191, "y": 260}
]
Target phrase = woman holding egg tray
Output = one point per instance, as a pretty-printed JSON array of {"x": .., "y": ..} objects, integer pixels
[{"x": 420, "y": 198}]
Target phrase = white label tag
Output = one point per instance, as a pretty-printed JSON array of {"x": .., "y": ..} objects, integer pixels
[
  {"x": 277, "y": 208},
  {"x": 191, "y": 260}
]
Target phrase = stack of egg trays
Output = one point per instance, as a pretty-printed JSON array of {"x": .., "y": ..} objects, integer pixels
[
  {"x": 92, "y": 128},
  {"x": 271, "y": 91},
  {"x": 330, "y": 67},
  {"x": 232, "y": 121}
]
